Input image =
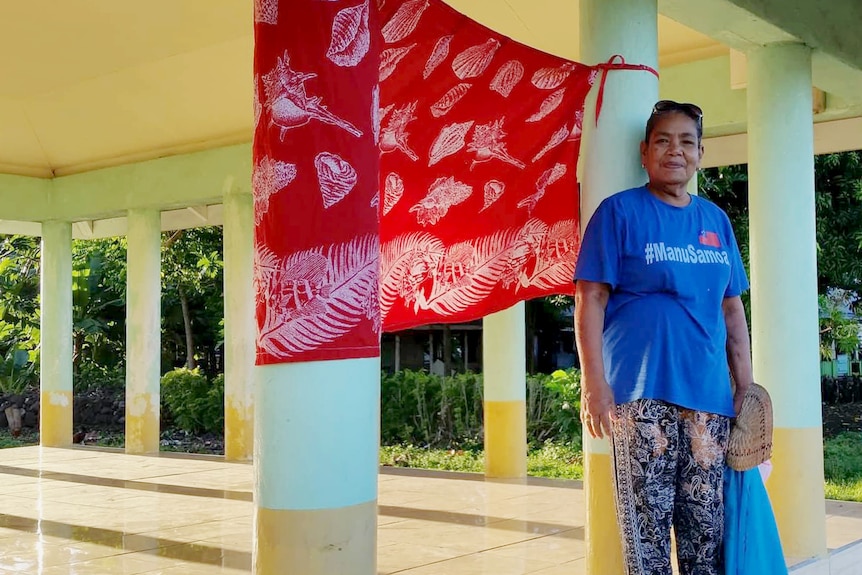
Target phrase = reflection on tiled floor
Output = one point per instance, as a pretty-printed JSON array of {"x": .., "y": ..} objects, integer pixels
[{"x": 87, "y": 512}]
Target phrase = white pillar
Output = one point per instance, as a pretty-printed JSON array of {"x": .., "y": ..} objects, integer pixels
[
  {"x": 784, "y": 285},
  {"x": 143, "y": 330},
  {"x": 239, "y": 324},
  {"x": 505, "y": 392},
  {"x": 55, "y": 422},
  {"x": 317, "y": 435},
  {"x": 610, "y": 162}
]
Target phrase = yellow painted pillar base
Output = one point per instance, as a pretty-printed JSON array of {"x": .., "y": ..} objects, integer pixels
[
  {"x": 506, "y": 439},
  {"x": 604, "y": 549},
  {"x": 317, "y": 542},
  {"x": 142, "y": 424},
  {"x": 239, "y": 432},
  {"x": 55, "y": 418},
  {"x": 800, "y": 519},
  {"x": 505, "y": 393}
]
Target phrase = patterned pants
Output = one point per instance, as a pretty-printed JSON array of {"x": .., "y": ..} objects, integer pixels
[{"x": 669, "y": 466}]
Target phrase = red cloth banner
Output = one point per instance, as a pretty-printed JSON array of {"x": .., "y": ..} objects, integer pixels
[
  {"x": 479, "y": 139},
  {"x": 315, "y": 172}
]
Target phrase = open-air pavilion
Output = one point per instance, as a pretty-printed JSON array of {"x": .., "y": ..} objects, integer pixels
[{"x": 128, "y": 119}]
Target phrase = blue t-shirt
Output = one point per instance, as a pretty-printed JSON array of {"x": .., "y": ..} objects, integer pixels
[{"x": 669, "y": 269}]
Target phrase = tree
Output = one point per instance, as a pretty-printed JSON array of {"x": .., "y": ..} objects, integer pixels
[
  {"x": 839, "y": 327},
  {"x": 838, "y": 181},
  {"x": 838, "y": 201},
  {"x": 192, "y": 271},
  {"x": 98, "y": 302},
  {"x": 19, "y": 293}
]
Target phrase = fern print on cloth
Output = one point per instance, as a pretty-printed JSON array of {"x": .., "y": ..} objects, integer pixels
[
  {"x": 317, "y": 245},
  {"x": 479, "y": 139}
]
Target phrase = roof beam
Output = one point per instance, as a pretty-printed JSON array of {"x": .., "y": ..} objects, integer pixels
[
  {"x": 831, "y": 27},
  {"x": 176, "y": 182},
  {"x": 827, "y": 27}
]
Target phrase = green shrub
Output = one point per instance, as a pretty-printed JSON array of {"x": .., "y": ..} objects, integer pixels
[
  {"x": 553, "y": 407},
  {"x": 842, "y": 457},
  {"x": 16, "y": 371},
  {"x": 91, "y": 376},
  {"x": 192, "y": 403},
  {"x": 423, "y": 409}
]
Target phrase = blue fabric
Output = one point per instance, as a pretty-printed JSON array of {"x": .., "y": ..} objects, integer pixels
[
  {"x": 751, "y": 543},
  {"x": 669, "y": 269}
]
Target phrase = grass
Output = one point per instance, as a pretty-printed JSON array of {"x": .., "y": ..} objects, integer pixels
[
  {"x": 555, "y": 460},
  {"x": 27, "y": 437},
  {"x": 842, "y": 459},
  {"x": 843, "y": 466}
]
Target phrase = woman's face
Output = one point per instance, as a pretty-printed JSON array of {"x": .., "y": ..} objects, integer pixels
[{"x": 673, "y": 153}]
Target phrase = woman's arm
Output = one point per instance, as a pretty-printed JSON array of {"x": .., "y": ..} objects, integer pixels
[
  {"x": 738, "y": 348},
  {"x": 597, "y": 399}
]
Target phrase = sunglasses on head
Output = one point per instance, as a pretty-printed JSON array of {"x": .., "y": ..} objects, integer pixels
[{"x": 692, "y": 111}]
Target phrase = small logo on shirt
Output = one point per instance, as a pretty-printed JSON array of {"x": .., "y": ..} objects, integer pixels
[{"x": 710, "y": 239}]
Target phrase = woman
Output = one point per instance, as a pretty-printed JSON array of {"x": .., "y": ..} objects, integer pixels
[{"x": 658, "y": 320}]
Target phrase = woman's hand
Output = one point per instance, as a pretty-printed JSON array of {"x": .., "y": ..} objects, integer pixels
[
  {"x": 738, "y": 396},
  {"x": 598, "y": 410},
  {"x": 597, "y": 399}
]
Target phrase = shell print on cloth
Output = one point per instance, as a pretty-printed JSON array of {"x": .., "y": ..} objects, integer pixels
[
  {"x": 405, "y": 20},
  {"x": 558, "y": 138},
  {"x": 526, "y": 247},
  {"x": 475, "y": 60},
  {"x": 289, "y": 104},
  {"x": 449, "y": 141},
  {"x": 257, "y": 107},
  {"x": 376, "y": 113},
  {"x": 550, "y": 104},
  {"x": 408, "y": 264},
  {"x": 550, "y": 176},
  {"x": 576, "y": 129},
  {"x": 493, "y": 191},
  {"x": 392, "y": 192},
  {"x": 337, "y": 178},
  {"x": 449, "y": 99},
  {"x": 315, "y": 296},
  {"x": 488, "y": 144},
  {"x": 450, "y": 226},
  {"x": 443, "y": 194},
  {"x": 266, "y": 11},
  {"x": 350, "y": 36},
  {"x": 390, "y": 58},
  {"x": 269, "y": 177},
  {"x": 438, "y": 55},
  {"x": 394, "y": 135},
  {"x": 551, "y": 78},
  {"x": 451, "y": 282},
  {"x": 556, "y": 258},
  {"x": 385, "y": 111},
  {"x": 507, "y": 77}
]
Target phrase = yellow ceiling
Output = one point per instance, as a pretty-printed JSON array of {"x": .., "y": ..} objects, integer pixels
[{"x": 92, "y": 83}]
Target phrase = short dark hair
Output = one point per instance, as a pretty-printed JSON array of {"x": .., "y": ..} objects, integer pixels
[{"x": 664, "y": 107}]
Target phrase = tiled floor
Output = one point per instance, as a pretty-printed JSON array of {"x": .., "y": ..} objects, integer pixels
[{"x": 87, "y": 512}]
